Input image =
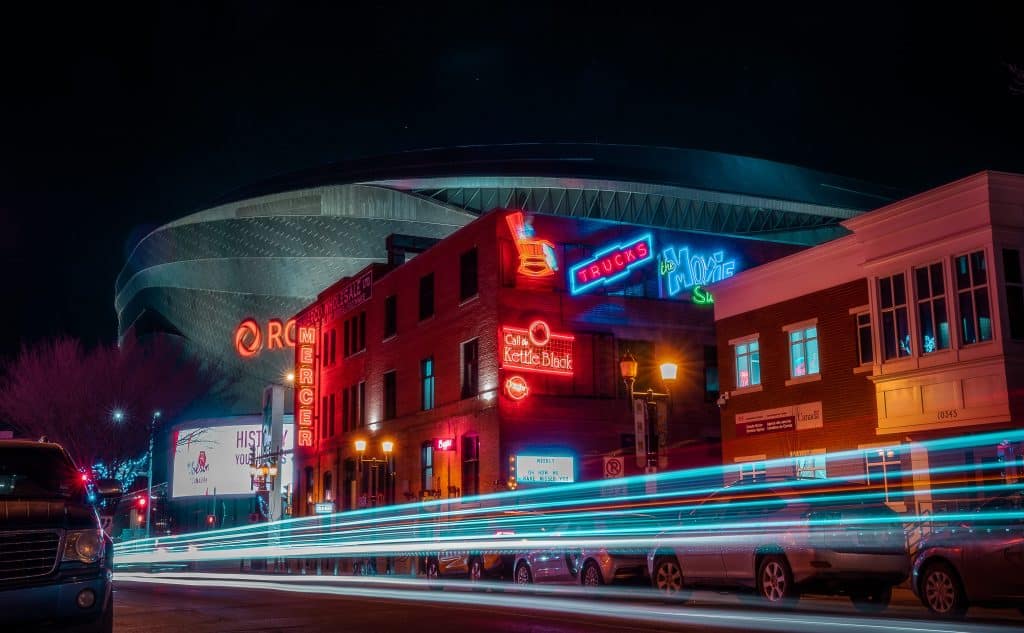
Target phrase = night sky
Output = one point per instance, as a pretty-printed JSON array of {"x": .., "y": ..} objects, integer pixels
[{"x": 113, "y": 121}]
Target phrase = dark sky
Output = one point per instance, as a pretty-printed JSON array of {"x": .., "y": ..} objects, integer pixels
[{"x": 114, "y": 119}]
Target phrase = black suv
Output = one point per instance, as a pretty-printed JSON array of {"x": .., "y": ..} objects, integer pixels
[{"x": 55, "y": 559}]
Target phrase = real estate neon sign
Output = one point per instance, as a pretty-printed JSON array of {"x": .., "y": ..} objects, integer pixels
[
  {"x": 536, "y": 349},
  {"x": 610, "y": 264},
  {"x": 683, "y": 271},
  {"x": 305, "y": 384},
  {"x": 249, "y": 336},
  {"x": 536, "y": 256}
]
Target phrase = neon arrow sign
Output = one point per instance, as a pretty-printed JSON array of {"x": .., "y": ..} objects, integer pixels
[{"x": 610, "y": 264}]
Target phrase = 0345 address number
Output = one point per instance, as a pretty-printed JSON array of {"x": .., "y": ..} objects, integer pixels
[{"x": 947, "y": 414}]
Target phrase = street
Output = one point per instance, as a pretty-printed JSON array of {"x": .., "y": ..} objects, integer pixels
[{"x": 201, "y": 605}]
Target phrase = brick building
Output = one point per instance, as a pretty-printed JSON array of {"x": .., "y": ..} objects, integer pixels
[
  {"x": 909, "y": 329},
  {"x": 491, "y": 357}
]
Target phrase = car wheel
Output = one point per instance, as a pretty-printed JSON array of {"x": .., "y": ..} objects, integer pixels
[
  {"x": 523, "y": 575},
  {"x": 871, "y": 599},
  {"x": 942, "y": 592},
  {"x": 668, "y": 576},
  {"x": 775, "y": 581},
  {"x": 591, "y": 576},
  {"x": 476, "y": 569}
]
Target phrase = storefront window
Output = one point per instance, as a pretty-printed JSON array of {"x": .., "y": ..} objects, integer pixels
[
  {"x": 752, "y": 469},
  {"x": 972, "y": 298},
  {"x": 865, "y": 352},
  {"x": 885, "y": 470},
  {"x": 427, "y": 466},
  {"x": 809, "y": 464},
  {"x": 892, "y": 300}
]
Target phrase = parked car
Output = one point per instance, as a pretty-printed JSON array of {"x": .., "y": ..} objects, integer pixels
[
  {"x": 591, "y": 567},
  {"x": 979, "y": 562},
  {"x": 55, "y": 558},
  {"x": 781, "y": 538}
]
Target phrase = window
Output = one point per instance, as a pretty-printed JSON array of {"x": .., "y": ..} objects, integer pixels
[
  {"x": 362, "y": 332},
  {"x": 710, "y": 373},
  {"x": 470, "y": 465},
  {"x": 391, "y": 316},
  {"x": 427, "y": 296},
  {"x": 1014, "y": 292},
  {"x": 752, "y": 468},
  {"x": 348, "y": 338},
  {"x": 328, "y": 486},
  {"x": 470, "y": 368},
  {"x": 325, "y": 412},
  {"x": 972, "y": 298},
  {"x": 467, "y": 275},
  {"x": 334, "y": 344},
  {"x": 427, "y": 378},
  {"x": 360, "y": 415},
  {"x": 809, "y": 464},
  {"x": 390, "y": 395},
  {"x": 331, "y": 416},
  {"x": 892, "y": 301},
  {"x": 803, "y": 352},
  {"x": 748, "y": 364},
  {"x": 427, "y": 466},
  {"x": 346, "y": 409},
  {"x": 933, "y": 334},
  {"x": 885, "y": 469},
  {"x": 864, "y": 351},
  {"x": 326, "y": 356}
]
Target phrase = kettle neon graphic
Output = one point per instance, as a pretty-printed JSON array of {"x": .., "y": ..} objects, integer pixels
[{"x": 683, "y": 271}]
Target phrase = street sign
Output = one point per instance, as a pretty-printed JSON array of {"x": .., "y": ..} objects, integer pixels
[
  {"x": 640, "y": 426},
  {"x": 326, "y": 507},
  {"x": 614, "y": 467}
]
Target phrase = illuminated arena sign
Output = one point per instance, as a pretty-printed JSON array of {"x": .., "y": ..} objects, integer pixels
[
  {"x": 610, "y": 264},
  {"x": 536, "y": 349},
  {"x": 249, "y": 336},
  {"x": 305, "y": 384},
  {"x": 682, "y": 271}
]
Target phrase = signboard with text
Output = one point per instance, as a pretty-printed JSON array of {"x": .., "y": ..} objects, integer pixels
[
  {"x": 214, "y": 460},
  {"x": 537, "y": 349},
  {"x": 545, "y": 469},
  {"x": 793, "y": 418}
]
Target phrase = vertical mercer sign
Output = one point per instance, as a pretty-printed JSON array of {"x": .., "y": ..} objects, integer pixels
[{"x": 305, "y": 384}]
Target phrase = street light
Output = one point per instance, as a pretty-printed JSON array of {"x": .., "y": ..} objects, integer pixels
[
  {"x": 289, "y": 377},
  {"x": 117, "y": 415},
  {"x": 149, "y": 476},
  {"x": 387, "y": 448},
  {"x": 629, "y": 369}
]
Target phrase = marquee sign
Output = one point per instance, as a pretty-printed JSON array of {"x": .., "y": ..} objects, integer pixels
[
  {"x": 536, "y": 256},
  {"x": 249, "y": 336},
  {"x": 610, "y": 264},
  {"x": 682, "y": 271},
  {"x": 305, "y": 384},
  {"x": 536, "y": 349}
]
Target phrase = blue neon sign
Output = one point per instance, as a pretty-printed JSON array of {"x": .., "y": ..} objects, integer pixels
[
  {"x": 610, "y": 265},
  {"x": 683, "y": 271}
]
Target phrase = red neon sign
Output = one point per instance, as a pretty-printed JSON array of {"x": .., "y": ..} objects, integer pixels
[
  {"x": 305, "y": 385},
  {"x": 516, "y": 388},
  {"x": 443, "y": 444},
  {"x": 536, "y": 349},
  {"x": 536, "y": 256},
  {"x": 249, "y": 336}
]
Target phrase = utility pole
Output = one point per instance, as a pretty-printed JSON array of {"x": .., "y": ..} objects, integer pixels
[{"x": 149, "y": 477}]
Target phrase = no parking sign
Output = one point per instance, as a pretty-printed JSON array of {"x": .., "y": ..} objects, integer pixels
[{"x": 614, "y": 467}]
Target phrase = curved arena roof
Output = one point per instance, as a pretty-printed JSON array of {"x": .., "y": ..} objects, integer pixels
[{"x": 267, "y": 250}]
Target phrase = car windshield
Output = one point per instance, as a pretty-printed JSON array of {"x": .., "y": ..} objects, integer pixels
[{"x": 44, "y": 472}]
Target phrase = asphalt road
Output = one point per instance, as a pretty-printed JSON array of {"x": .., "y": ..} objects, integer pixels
[{"x": 201, "y": 606}]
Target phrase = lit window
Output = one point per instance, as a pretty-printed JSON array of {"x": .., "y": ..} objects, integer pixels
[
  {"x": 933, "y": 323},
  {"x": 803, "y": 352},
  {"x": 864, "y": 349},
  {"x": 972, "y": 298},
  {"x": 748, "y": 364},
  {"x": 427, "y": 375},
  {"x": 892, "y": 301},
  {"x": 1014, "y": 292},
  {"x": 885, "y": 470},
  {"x": 809, "y": 464},
  {"x": 427, "y": 466},
  {"x": 752, "y": 469}
]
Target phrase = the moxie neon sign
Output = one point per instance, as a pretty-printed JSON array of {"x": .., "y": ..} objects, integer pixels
[
  {"x": 305, "y": 384},
  {"x": 610, "y": 265},
  {"x": 249, "y": 336},
  {"x": 536, "y": 349},
  {"x": 683, "y": 271}
]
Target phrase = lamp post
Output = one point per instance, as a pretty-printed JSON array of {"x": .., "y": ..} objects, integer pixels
[
  {"x": 149, "y": 475},
  {"x": 387, "y": 448},
  {"x": 628, "y": 369}
]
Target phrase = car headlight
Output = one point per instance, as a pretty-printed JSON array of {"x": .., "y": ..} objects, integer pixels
[{"x": 84, "y": 545}]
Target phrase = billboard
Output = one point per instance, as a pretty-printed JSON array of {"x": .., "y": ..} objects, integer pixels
[
  {"x": 214, "y": 460},
  {"x": 545, "y": 469}
]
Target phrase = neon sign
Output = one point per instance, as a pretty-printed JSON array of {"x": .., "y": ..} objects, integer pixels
[
  {"x": 701, "y": 296},
  {"x": 683, "y": 271},
  {"x": 516, "y": 388},
  {"x": 610, "y": 264},
  {"x": 249, "y": 337},
  {"x": 536, "y": 256},
  {"x": 536, "y": 349},
  {"x": 305, "y": 384},
  {"x": 444, "y": 444}
]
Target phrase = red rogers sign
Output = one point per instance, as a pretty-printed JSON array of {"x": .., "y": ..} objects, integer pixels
[{"x": 536, "y": 349}]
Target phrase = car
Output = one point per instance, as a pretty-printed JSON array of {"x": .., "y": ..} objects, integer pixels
[
  {"x": 975, "y": 562},
  {"x": 56, "y": 561},
  {"x": 587, "y": 566},
  {"x": 782, "y": 537}
]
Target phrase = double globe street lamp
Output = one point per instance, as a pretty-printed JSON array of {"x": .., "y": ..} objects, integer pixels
[
  {"x": 387, "y": 448},
  {"x": 646, "y": 421}
]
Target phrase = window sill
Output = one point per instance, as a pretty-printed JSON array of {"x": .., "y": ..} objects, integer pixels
[
  {"x": 803, "y": 379},
  {"x": 389, "y": 338},
  {"x": 469, "y": 300},
  {"x": 742, "y": 390},
  {"x": 863, "y": 369},
  {"x": 426, "y": 319}
]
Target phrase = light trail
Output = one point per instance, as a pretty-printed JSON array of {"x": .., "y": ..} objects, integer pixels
[{"x": 562, "y": 601}]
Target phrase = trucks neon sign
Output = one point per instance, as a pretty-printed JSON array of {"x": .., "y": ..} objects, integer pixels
[
  {"x": 536, "y": 349},
  {"x": 683, "y": 271},
  {"x": 610, "y": 264}
]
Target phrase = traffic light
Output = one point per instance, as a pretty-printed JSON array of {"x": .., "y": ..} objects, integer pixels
[
  {"x": 141, "y": 502},
  {"x": 210, "y": 519}
]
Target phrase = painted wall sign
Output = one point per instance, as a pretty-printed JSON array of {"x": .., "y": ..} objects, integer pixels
[
  {"x": 797, "y": 417},
  {"x": 356, "y": 292},
  {"x": 249, "y": 336},
  {"x": 536, "y": 256},
  {"x": 536, "y": 349},
  {"x": 516, "y": 388},
  {"x": 610, "y": 264},
  {"x": 305, "y": 385},
  {"x": 682, "y": 271},
  {"x": 444, "y": 444}
]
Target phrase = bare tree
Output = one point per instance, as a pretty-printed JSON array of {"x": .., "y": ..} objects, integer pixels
[{"x": 100, "y": 403}]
